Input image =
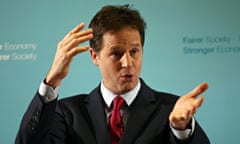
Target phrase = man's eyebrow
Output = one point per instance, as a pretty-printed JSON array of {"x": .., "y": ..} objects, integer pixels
[
  {"x": 135, "y": 44},
  {"x": 115, "y": 48}
]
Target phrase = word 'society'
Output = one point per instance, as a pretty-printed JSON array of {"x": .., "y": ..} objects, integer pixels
[
  {"x": 206, "y": 45},
  {"x": 18, "y": 52}
]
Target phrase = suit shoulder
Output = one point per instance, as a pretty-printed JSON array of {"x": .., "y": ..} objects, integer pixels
[
  {"x": 166, "y": 97},
  {"x": 73, "y": 100}
]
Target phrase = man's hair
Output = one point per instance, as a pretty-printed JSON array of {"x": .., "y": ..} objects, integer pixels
[{"x": 114, "y": 18}]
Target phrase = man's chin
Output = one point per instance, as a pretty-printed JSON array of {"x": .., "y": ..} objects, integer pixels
[{"x": 128, "y": 86}]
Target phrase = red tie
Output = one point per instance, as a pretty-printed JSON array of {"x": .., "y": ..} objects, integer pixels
[{"x": 116, "y": 124}]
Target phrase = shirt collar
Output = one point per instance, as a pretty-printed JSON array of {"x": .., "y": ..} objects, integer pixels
[{"x": 129, "y": 97}]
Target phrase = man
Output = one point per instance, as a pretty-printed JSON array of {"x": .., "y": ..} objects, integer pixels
[{"x": 116, "y": 35}]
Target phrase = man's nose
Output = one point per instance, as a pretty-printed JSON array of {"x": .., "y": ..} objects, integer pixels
[{"x": 126, "y": 60}]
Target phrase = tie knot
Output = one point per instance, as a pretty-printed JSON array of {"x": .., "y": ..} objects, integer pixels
[{"x": 118, "y": 102}]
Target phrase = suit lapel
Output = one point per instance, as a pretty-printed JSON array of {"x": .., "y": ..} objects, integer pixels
[
  {"x": 95, "y": 106},
  {"x": 141, "y": 113}
]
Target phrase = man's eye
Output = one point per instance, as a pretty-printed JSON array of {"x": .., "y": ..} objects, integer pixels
[
  {"x": 134, "y": 51},
  {"x": 117, "y": 54}
]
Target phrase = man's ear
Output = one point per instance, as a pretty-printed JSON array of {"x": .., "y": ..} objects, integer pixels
[{"x": 94, "y": 56}]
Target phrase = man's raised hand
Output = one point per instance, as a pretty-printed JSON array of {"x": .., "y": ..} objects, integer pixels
[{"x": 66, "y": 50}]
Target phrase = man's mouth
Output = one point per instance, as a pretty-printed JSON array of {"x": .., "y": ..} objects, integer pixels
[{"x": 127, "y": 77}]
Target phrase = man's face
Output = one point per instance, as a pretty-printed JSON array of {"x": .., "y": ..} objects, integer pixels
[{"x": 120, "y": 60}]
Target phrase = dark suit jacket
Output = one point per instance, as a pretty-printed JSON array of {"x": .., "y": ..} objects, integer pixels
[{"x": 81, "y": 120}]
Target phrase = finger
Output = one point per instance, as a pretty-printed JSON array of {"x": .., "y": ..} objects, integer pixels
[
  {"x": 183, "y": 117},
  {"x": 82, "y": 33},
  {"x": 74, "y": 30},
  {"x": 192, "y": 109},
  {"x": 198, "y": 90},
  {"x": 78, "y": 50},
  {"x": 75, "y": 42},
  {"x": 180, "y": 121},
  {"x": 198, "y": 102},
  {"x": 77, "y": 35},
  {"x": 186, "y": 116},
  {"x": 77, "y": 28}
]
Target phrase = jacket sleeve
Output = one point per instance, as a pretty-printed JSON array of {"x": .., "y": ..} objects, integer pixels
[
  {"x": 36, "y": 122},
  {"x": 198, "y": 137}
]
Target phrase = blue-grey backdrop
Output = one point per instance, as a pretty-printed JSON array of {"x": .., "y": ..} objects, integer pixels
[{"x": 187, "y": 42}]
